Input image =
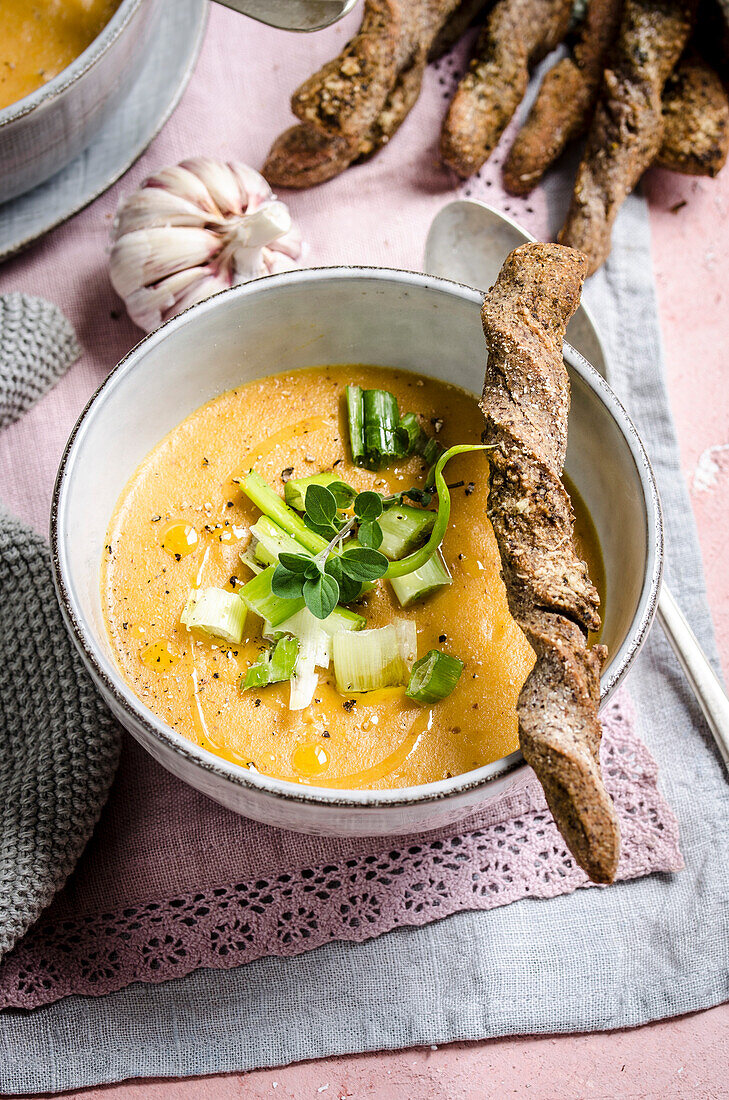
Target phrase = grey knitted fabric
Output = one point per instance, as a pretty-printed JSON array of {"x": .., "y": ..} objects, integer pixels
[
  {"x": 37, "y": 346},
  {"x": 59, "y": 745}
]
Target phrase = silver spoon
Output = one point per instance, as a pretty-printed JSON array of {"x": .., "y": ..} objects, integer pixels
[
  {"x": 293, "y": 15},
  {"x": 468, "y": 241}
]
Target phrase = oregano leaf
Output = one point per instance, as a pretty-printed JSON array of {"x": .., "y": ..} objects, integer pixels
[
  {"x": 321, "y": 595},
  {"x": 295, "y": 563},
  {"x": 321, "y": 505},
  {"x": 419, "y": 496},
  {"x": 363, "y": 564},
  {"x": 327, "y": 532},
  {"x": 370, "y": 534},
  {"x": 343, "y": 494},
  {"x": 286, "y": 584},
  {"x": 349, "y": 589},
  {"x": 367, "y": 506}
]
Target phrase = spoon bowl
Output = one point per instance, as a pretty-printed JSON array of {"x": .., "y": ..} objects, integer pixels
[{"x": 469, "y": 241}]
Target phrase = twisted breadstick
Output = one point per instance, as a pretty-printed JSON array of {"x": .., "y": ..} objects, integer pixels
[
  {"x": 695, "y": 120},
  {"x": 563, "y": 108},
  {"x": 526, "y": 406},
  {"x": 346, "y": 95},
  {"x": 355, "y": 103},
  {"x": 517, "y": 34},
  {"x": 627, "y": 129}
]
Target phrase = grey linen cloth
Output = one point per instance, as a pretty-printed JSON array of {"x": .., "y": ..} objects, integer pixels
[{"x": 596, "y": 959}]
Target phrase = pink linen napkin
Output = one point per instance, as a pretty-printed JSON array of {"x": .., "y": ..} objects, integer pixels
[{"x": 171, "y": 881}]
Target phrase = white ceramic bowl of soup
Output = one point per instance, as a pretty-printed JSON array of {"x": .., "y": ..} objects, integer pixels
[
  {"x": 42, "y": 132},
  {"x": 308, "y": 318}
]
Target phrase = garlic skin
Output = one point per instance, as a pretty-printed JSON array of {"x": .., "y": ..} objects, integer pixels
[{"x": 193, "y": 229}]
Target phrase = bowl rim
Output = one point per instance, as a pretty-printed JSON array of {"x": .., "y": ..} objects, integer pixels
[
  {"x": 93, "y": 53},
  {"x": 109, "y": 679}
]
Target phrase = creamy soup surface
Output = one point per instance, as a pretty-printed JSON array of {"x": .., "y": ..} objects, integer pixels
[
  {"x": 40, "y": 38},
  {"x": 182, "y": 523}
]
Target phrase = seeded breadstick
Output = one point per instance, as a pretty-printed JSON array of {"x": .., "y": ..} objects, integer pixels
[
  {"x": 517, "y": 34},
  {"x": 302, "y": 157},
  {"x": 354, "y": 105},
  {"x": 526, "y": 404},
  {"x": 398, "y": 105},
  {"x": 456, "y": 26},
  {"x": 563, "y": 108},
  {"x": 627, "y": 129},
  {"x": 696, "y": 120},
  {"x": 345, "y": 97}
]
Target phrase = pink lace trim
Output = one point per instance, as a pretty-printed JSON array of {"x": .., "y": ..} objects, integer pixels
[{"x": 353, "y": 899}]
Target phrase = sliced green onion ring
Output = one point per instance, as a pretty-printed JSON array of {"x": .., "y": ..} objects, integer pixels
[
  {"x": 273, "y": 666},
  {"x": 434, "y": 677}
]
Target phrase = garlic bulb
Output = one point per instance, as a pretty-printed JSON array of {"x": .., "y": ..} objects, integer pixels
[{"x": 193, "y": 229}]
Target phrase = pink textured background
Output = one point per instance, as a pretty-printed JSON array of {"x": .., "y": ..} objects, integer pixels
[{"x": 680, "y": 1058}]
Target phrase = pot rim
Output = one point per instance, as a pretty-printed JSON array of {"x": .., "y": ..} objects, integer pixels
[
  {"x": 108, "y": 678},
  {"x": 80, "y": 65}
]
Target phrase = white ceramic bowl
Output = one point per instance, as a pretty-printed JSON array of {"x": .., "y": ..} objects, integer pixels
[
  {"x": 299, "y": 319},
  {"x": 45, "y": 130}
]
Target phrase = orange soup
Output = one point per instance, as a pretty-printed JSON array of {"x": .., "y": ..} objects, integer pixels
[
  {"x": 40, "y": 38},
  {"x": 182, "y": 524}
]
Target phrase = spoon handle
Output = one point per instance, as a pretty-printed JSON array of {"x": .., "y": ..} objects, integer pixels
[
  {"x": 292, "y": 15},
  {"x": 704, "y": 682}
]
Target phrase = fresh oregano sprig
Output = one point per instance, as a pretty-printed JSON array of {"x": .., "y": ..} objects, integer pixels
[{"x": 331, "y": 577}]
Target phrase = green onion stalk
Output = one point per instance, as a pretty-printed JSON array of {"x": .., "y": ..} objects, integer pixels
[{"x": 419, "y": 557}]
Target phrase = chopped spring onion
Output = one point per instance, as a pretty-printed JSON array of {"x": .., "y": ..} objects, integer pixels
[
  {"x": 341, "y": 618},
  {"x": 315, "y": 645},
  {"x": 377, "y": 432},
  {"x": 431, "y": 451},
  {"x": 295, "y": 490},
  {"x": 410, "y": 434},
  {"x": 403, "y": 528},
  {"x": 381, "y": 419},
  {"x": 422, "y": 582},
  {"x": 249, "y": 560},
  {"x": 271, "y": 504},
  {"x": 303, "y": 625},
  {"x": 355, "y": 420},
  {"x": 272, "y": 667},
  {"x": 259, "y": 598},
  {"x": 419, "y": 557},
  {"x": 366, "y": 660},
  {"x": 314, "y": 652},
  {"x": 216, "y": 612},
  {"x": 434, "y": 677},
  {"x": 270, "y": 540}
]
